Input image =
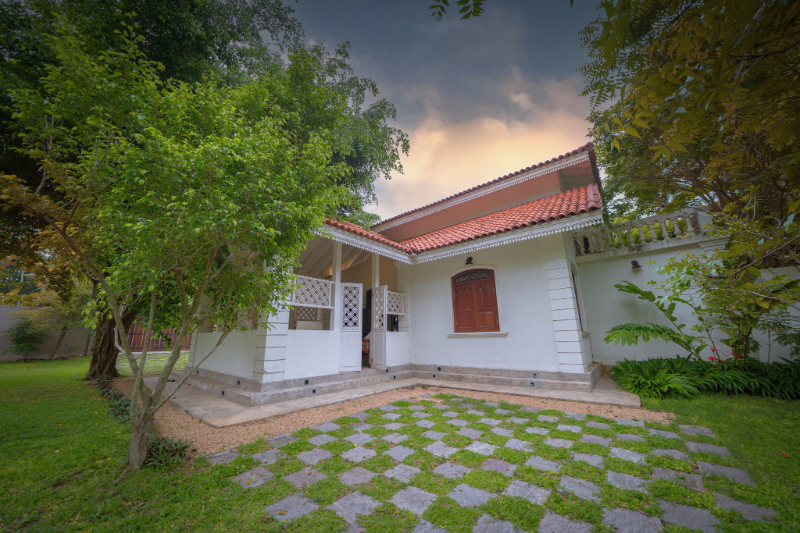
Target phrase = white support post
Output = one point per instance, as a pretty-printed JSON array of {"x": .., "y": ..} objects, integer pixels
[
  {"x": 336, "y": 312},
  {"x": 376, "y": 270},
  {"x": 378, "y": 345},
  {"x": 404, "y": 287}
]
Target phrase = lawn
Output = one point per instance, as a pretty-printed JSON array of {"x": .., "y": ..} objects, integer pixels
[
  {"x": 155, "y": 363},
  {"x": 62, "y": 457}
]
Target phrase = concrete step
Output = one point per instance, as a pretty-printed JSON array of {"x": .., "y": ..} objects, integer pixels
[{"x": 505, "y": 381}]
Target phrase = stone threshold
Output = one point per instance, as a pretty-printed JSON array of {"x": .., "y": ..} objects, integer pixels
[{"x": 219, "y": 412}]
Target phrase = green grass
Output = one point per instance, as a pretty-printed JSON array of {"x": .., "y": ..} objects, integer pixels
[{"x": 155, "y": 363}]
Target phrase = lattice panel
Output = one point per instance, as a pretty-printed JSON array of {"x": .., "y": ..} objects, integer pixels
[
  {"x": 378, "y": 308},
  {"x": 312, "y": 292},
  {"x": 472, "y": 275},
  {"x": 351, "y": 307},
  {"x": 395, "y": 303},
  {"x": 305, "y": 313}
]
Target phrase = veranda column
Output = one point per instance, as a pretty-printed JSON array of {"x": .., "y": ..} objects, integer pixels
[
  {"x": 574, "y": 355},
  {"x": 336, "y": 312},
  {"x": 404, "y": 287},
  {"x": 378, "y": 345}
]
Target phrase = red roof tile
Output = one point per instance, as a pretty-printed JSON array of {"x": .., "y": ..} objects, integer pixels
[
  {"x": 587, "y": 147},
  {"x": 358, "y": 230},
  {"x": 565, "y": 204}
]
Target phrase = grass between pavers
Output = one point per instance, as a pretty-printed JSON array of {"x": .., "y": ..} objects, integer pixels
[
  {"x": 155, "y": 363},
  {"x": 75, "y": 491}
]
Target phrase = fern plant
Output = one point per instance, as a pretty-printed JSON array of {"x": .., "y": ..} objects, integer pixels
[{"x": 652, "y": 380}]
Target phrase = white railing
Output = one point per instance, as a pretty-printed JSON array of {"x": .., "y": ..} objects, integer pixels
[
  {"x": 395, "y": 303},
  {"x": 312, "y": 292},
  {"x": 668, "y": 228}
]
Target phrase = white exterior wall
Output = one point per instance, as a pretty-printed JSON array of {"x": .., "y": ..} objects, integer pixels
[
  {"x": 523, "y": 306},
  {"x": 312, "y": 353},
  {"x": 397, "y": 348},
  {"x": 233, "y": 357}
]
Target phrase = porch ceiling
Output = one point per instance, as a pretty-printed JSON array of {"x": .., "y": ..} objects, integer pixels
[{"x": 317, "y": 259}]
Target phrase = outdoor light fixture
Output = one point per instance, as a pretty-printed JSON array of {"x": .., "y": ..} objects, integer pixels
[
  {"x": 635, "y": 264},
  {"x": 469, "y": 261}
]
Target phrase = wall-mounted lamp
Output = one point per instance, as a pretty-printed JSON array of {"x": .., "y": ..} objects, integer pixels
[
  {"x": 469, "y": 261},
  {"x": 635, "y": 264}
]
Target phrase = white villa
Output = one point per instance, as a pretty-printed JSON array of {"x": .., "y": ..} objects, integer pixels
[{"x": 509, "y": 283}]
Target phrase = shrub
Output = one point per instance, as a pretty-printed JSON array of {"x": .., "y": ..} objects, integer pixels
[
  {"x": 165, "y": 451},
  {"x": 25, "y": 335},
  {"x": 657, "y": 378}
]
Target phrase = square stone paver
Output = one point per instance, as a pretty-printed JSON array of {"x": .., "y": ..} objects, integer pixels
[
  {"x": 221, "y": 458},
  {"x": 520, "y": 445},
  {"x": 402, "y": 473},
  {"x": 696, "y": 430},
  {"x": 467, "y": 496},
  {"x": 469, "y": 433},
  {"x": 358, "y": 454},
  {"x": 707, "y": 448},
  {"x": 597, "y": 425},
  {"x": 662, "y": 433},
  {"x": 537, "y": 430},
  {"x": 576, "y": 416},
  {"x": 388, "y": 408},
  {"x": 669, "y": 452},
  {"x": 502, "y": 432},
  {"x": 542, "y": 464},
  {"x": 558, "y": 443},
  {"x": 518, "y": 420},
  {"x": 268, "y": 457},
  {"x": 281, "y": 440},
  {"x": 547, "y": 418},
  {"x": 749, "y": 511},
  {"x": 399, "y": 453},
  {"x": 451, "y": 414},
  {"x": 734, "y": 474},
  {"x": 627, "y": 521},
  {"x": 360, "y": 416},
  {"x": 629, "y": 422},
  {"x": 418, "y": 407},
  {"x": 441, "y": 406},
  {"x": 490, "y": 421},
  {"x": 413, "y": 499},
  {"x": 254, "y": 478},
  {"x": 435, "y": 435},
  {"x": 440, "y": 449},
  {"x": 692, "y": 481},
  {"x": 627, "y": 482},
  {"x": 392, "y": 416},
  {"x": 487, "y": 524},
  {"x": 581, "y": 488},
  {"x": 352, "y": 505},
  {"x": 305, "y": 477},
  {"x": 451, "y": 471},
  {"x": 554, "y": 523},
  {"x": 482, "y": 448},
  {"x": 567, "y": 427},
  {"x": 395, "y": 438},
  {"x": 427, "y": 424},
  {"x": 356, "y": 476},
  {"x": 592, "y": 459},
  {"x": 394, "y": 426},
  {"x": 291, "y": 507},
  {"x": 630, "y": 437},
  {"x": 491, "y": 404},
  {"x": 532, "y": 493},
  {"x": 458, "y": 422},
  {"x": 319, "y": 440},
  {"x": 628, "y": 455},
  {"x": 359, "y": 439},
  {"x": 502, "y": 411},
  {"x": 326, "y": 427},
  {"x": 594, "y": 439},
  {"x": 498, "y": 465},
  {"x": 690, "y": 517},
  {"x": 420, "y": 415},
  {"x": 314, "y": 456},
  {"x": 475, "y": 412}
]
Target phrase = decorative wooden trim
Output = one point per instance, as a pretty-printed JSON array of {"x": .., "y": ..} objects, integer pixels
[{"x": 345, "y": 237}]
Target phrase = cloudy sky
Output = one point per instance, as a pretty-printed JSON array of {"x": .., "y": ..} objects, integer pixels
[{"x": 478, "y": 99}]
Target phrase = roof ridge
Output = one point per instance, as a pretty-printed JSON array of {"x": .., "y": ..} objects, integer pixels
[{"x": 586, "y": 147}]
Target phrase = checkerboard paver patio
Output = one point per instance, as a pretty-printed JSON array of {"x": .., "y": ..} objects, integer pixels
[{"x": 477, "y": 458}]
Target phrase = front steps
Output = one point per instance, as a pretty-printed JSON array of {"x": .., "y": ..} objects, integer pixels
[{"x": 292, "y": 389}]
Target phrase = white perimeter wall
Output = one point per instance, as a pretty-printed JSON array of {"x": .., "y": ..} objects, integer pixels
[
  {"x": 71, "y": 345},
  {"x": 312, "y": 353},
  {"x": 524, "y": 308},
  {"x": 606, "y": 307}
]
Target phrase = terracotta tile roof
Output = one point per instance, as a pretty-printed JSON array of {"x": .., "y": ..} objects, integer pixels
[
  {"x": 358, "y": 230},
  {"x": 562, "y": 205},
  {"x": 589, "y": 147}
]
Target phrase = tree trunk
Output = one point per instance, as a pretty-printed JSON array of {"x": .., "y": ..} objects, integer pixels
[
  {"x": 104, "y": 355},
  {"x": 59, "y": 340},
  {"x": 86, "y": 344},
  {"x": 140, "y": 436}
]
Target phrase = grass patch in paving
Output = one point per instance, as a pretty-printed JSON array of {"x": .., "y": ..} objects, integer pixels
[
  {"x": 335, "y": 466},
  {"x": 663, "y": 489},
  {"x": 345, "y": 420},
  {"x": 326, "y": 491},
  {"x": 387, "y": 518},
  {"x": 285, "y": 466},
  {"x": 379, "y": 463},
  {"x": 458, "y": 441},
  {"x": 662, "y": 461},
  {"x": 512, "y": 456},
  {"x": 434, "y": 483},
  {"x": 599, "y": 432},
  {"x": 629, "y": 499},
  {"x": 297, "y": 447},
  {"x": 634, "y": 446},
  {"x": 342, "y": 432},
  {"x": 487, "y": 480},
  {"x": 402, "y": 403},
  {"x": 378, "y": 445},
  {"x": 319, "y": 520},
  {"x": 629, "y": 467},
  {"x": 257, "y": 446},
  {"x": 338, "y": 446},
  {"x": 552, "y": 453},
  {"x": 306, "y": 433},
  {"x": 423, "y": 460},
  {"x": 491, "y": 438},
  {"x": 377, "y": 431},
  {"x": 468, "y": 458},
  {"x": 518, "y": 511},
  {"x": 380, "y": 488},
  {"x": 447, "y": 514},
  {"x": 572, "y": 507},
  {"x": 583, "y": 470},
  {"x": 534, "y": 476},
  {"x": 588, "y": 447},
  {"x": 417, "y": 442}
]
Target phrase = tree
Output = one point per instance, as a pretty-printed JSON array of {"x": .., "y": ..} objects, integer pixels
[{"x": 196, "y": 193}]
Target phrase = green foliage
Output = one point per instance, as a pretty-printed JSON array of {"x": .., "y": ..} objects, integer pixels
[
  {"x": 25, "y": 336},
  {"x": 468, "y": 9},
  {"x": 165, "y": 451},
  {"x": 682, "y": 377}
]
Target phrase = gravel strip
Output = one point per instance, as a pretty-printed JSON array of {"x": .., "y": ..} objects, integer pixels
[{"x": 207, "y": 439}]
